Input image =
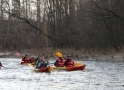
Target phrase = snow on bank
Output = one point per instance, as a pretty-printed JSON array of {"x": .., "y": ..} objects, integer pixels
[{"x": 97, "y": 76}]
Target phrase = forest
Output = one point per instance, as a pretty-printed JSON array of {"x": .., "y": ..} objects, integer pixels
[{"x": 77, "y": 24}]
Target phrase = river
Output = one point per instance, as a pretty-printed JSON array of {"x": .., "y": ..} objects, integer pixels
[{"x": 98, "y": 75}]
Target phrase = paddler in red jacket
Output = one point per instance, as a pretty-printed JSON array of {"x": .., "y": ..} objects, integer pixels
[
  {"x": 59, "y": 62},
  {"x": 26, "y": 59},
  {"x": 69, "y": 62},
  {"x": 31, "y": 60}
]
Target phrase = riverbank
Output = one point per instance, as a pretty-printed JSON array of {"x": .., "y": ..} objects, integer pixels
[{"x": 81, "y": 55}]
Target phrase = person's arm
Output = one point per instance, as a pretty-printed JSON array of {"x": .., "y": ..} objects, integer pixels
[
  {"x": 56, "y": 62},
  {"x": 47, "y": 62},
  {"x": 23, "y": 59}
]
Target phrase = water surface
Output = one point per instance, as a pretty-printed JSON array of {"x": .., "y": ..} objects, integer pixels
[{"x": 98, "y": 75}]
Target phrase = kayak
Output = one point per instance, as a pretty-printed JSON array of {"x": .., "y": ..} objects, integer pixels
[
  {"x": 24, "y": 63},
  {"x": 43, "y": 69},
  {"x": 75, "y": 68}
]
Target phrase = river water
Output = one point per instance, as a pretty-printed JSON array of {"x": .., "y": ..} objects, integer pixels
[{"x": 98, "y": 75}]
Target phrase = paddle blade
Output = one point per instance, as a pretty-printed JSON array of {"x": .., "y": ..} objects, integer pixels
[
  {"x": 78, "y": 63},
  {"x": 31, "y": 71},
  {"x": 30, "y": 65},
  {"x": 58, "y": 54},
  {"x": 52, "y": 68}
]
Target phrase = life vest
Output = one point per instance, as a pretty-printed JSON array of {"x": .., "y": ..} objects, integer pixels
[
  {"x": 60, "y": 63},
  {"x": 44, "y": 64},
  {"x": 41, "y": 64},
  {"x": 69, "y": 63}
]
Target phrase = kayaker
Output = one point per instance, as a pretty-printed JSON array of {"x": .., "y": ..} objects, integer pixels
[
  {"x": 69, "y": 62},
  {"x": 31, "y": 60},
  {"x": 0, "y": 65},
  {"x": 42, "y": 63},
  {"x": 59, "y": 62},
  {"x": 25, "y": 58}
]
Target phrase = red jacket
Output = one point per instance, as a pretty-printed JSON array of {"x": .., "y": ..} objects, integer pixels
[
  {"x": 69, "y": 63},
  {"x": 25, "y": 59},
  {"x": 31, "y": 60}
]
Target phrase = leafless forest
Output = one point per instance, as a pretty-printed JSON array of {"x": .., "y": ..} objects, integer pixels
[{"x": 27, "y": 24}]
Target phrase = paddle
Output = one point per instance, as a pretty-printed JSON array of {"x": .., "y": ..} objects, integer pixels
[
  {"x": 78, "y": 63},
  {"x": 31, "y": 65},
  {"x": 51, "y": 68},
  {"x": 5, "y": 67},
  {"x": 58, "y": 54},
  {"x": 32, "y": 71}
]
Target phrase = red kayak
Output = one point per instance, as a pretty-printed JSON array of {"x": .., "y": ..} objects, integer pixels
[
  {"x": 75, "y": 68},
  {"x": 43, "y": 69},
  {"x": 25, "y": 63}
]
